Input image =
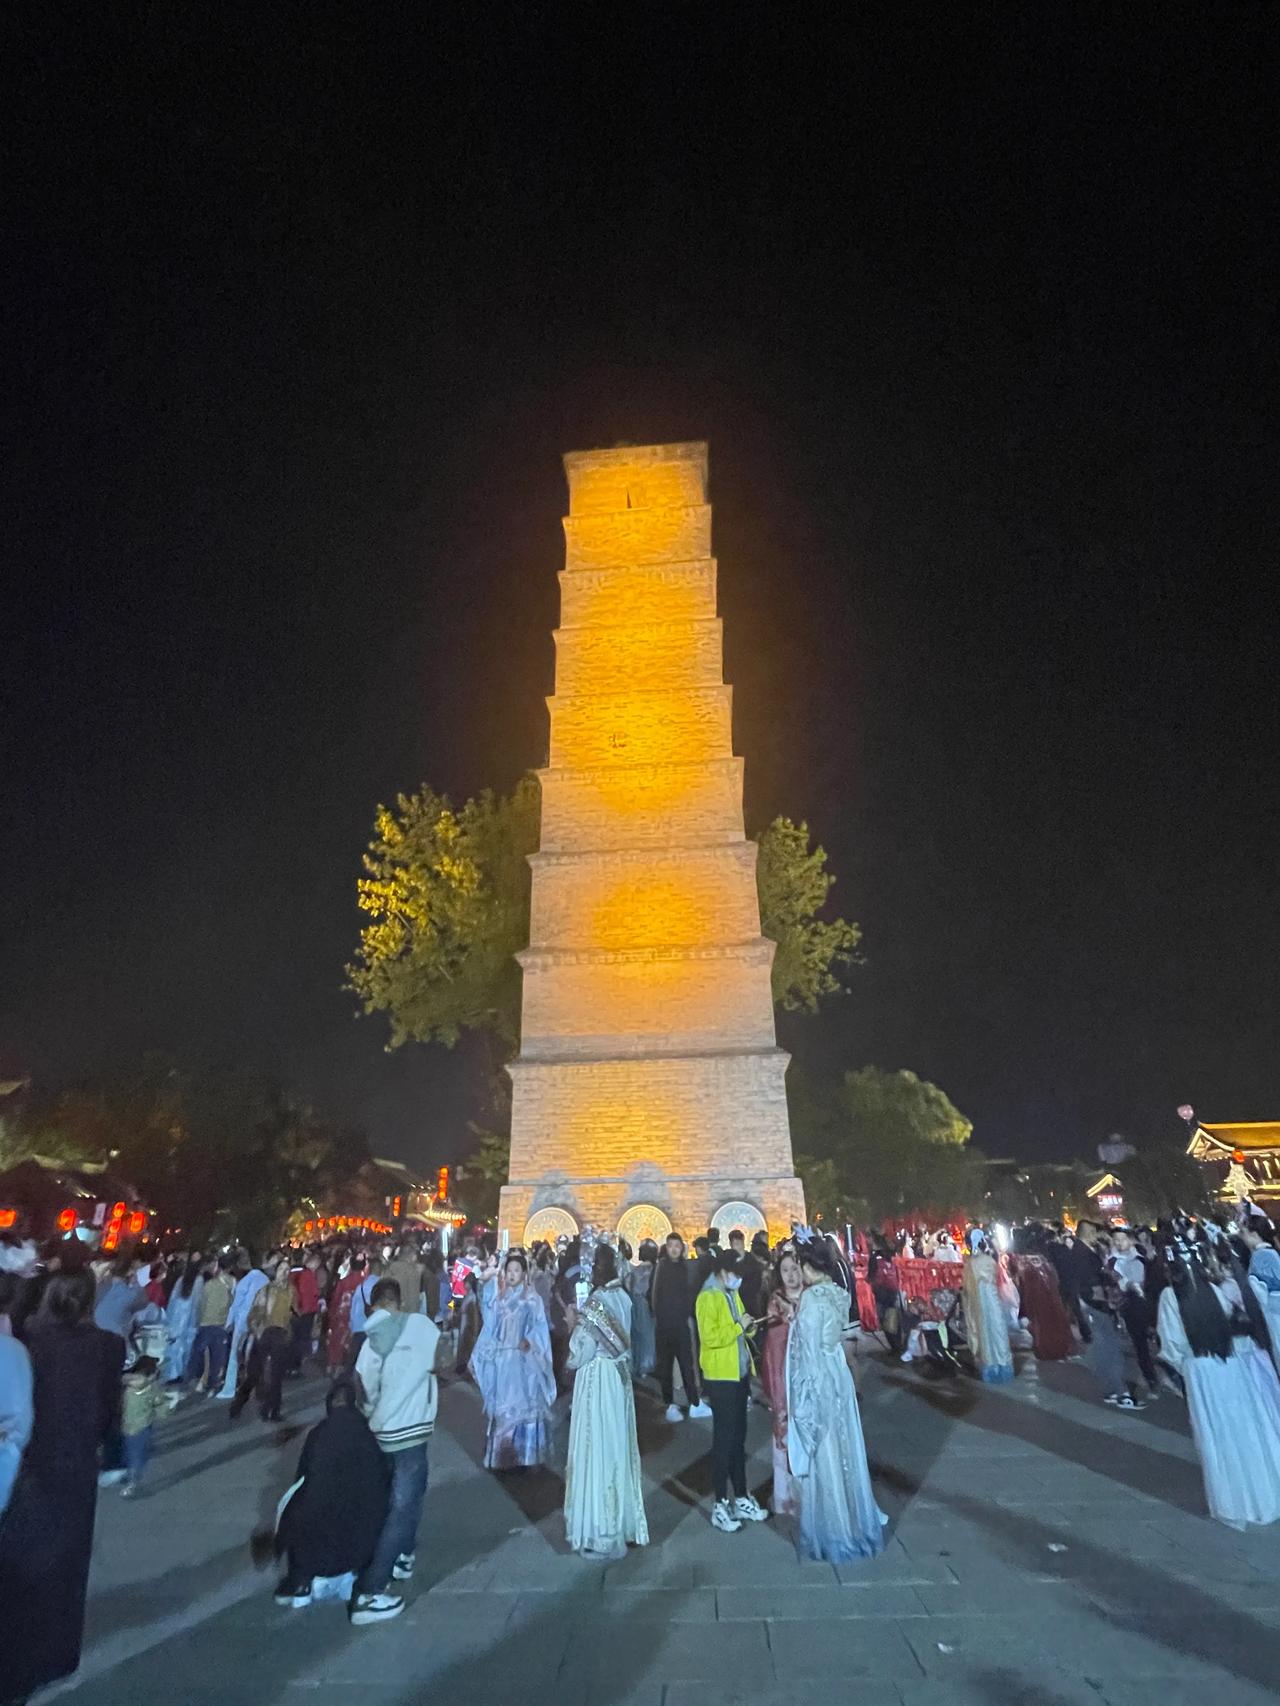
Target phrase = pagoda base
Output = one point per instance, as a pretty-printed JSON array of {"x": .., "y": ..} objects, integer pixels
[{"x": 688, "y": 1204}]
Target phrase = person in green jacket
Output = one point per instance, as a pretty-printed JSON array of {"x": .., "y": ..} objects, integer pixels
[{"x": 724, "y": 1356}]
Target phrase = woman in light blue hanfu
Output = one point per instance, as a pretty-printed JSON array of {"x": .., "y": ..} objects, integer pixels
[
  {"x": 180, "y": 1321},
  {"x": 839, "y": 1517},
  {"x": 511, "y": 1364},
  {"x": 985, "y": 1318},
  {"x": 1264, "y": 1275}
]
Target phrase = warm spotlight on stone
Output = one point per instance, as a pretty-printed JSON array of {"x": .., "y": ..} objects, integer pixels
[{"x": 649, "y": 1086}]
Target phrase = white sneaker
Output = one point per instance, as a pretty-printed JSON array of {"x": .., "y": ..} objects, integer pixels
[
  {"x": 112, "y": 1477},
  {"x": 722, "y": 1517},
  {"x": 748, "y": 1510},
  {"x": 402, "y": 1569},
  {"x": 375, "y": 1608},
  {"x": 701, "y": 1411},
  {"x": 674, "y": 1413}
]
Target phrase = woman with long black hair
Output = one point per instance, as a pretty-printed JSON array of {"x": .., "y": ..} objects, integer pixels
[
  {"x": 46, "y": 1535},
  {"x": 839, "y": 1517},
  {"x": 1213, "y": 1332}
]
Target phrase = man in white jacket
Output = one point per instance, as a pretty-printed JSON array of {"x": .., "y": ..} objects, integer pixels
[{"x": 396, "y": 1372}]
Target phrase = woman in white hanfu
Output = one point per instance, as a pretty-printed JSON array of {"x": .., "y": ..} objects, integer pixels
[
  {"x": 603, "y": 1491},
  {"x": 1213, "y": 1333},
  {"x": 839, "y": 1517}
]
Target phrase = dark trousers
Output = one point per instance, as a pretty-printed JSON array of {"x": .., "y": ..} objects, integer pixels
[
  {"x": 264, "y": 1370},
  {"x": 300, "y": 1344},
  {"x": 675, "y": 1345},
  {"x": 214, "y": 1343},
  {"x": 1136, "y": 1314},
  {"x": 728, "y": 1401}
]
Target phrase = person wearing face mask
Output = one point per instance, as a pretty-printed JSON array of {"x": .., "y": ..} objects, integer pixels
[{"x": 724, "y": 1356}]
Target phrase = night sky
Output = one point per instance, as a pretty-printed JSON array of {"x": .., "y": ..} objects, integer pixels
[{"x": 977, "y": 320}]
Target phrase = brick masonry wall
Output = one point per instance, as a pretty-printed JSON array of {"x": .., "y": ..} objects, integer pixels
[
  {"x": 629, "y": 477},
  {"x": 672, "y": 805},
  {"x": 687, "y": 653},
  {"x": 642, "y": 727},
  {"x": 713, "y": 1115},
  {"x": 638, "y": 593},
  {"x": 645, "y": 897},
  {"x": 611, "y": 1005},
  {"x": 667, "y": 535}
]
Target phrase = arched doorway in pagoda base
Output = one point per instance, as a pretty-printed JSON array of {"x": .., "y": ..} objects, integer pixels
[
  {"x": 742, "y": 1216},
  {"x": 643, "y": 1221},
  {"x": 549, "y": 1224}
]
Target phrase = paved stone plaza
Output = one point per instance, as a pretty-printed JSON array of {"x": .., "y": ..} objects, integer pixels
[{"x": 1042, "y": 1549}]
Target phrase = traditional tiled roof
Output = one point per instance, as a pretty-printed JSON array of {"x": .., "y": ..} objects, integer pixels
[{"x": 1258, "y": 1137}]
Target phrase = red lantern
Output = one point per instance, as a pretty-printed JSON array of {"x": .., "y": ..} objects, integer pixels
[
  {"x": 68, "y": 1220},
  {"x": 8, "y": 1218},
  {"x": 137, "y": 1224}
]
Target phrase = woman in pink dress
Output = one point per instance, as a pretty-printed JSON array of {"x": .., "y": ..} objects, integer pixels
[{"x": 788, "y": 1286}]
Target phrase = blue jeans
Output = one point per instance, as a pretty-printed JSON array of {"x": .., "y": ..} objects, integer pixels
[
  {"x": 137, "y": 1454},
  {"x": 216, "y": 1342},
  {"x": 404, "y": 1513},
  {"x": 10, "y": 1458}
]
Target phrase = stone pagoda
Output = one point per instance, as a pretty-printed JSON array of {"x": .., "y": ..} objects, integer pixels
[{"x": 649, "y": 1089}]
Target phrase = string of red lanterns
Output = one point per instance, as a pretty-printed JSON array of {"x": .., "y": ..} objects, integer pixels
[{"x": 344, "y": 1223}]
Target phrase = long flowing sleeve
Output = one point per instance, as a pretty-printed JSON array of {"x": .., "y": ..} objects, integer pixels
[
  {"x": 582, "y": 1346},
  {"x": 536, "y": 1332},
  {"x": 1174, "y": 1346},
  {"x": 809, "y": 1405}
]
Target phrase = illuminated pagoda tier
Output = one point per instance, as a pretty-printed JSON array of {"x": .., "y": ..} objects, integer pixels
[
  {"x": 649, "y": 1088},
  {"x": 1242, "y": 1160}
]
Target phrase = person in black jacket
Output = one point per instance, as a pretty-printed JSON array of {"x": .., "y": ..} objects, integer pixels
[
  {"x": 331, "y": 1524},
  {"x": 752, "y": 1271},
  {"x": 1098, "y": 1292},
  {"x": 671, "y": 1298}
]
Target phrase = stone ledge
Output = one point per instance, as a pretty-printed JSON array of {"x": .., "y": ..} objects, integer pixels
[
  {"x": 525, "y": 1062},
  {"x": 760, "y": 951},
  {"x": 656, "y": 767},
  {"x": 665, "y": 574},
  {"x": 741, "y": 848}
]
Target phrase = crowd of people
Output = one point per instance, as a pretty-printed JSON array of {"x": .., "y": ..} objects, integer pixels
[
  {"x": 95, "y": 1355},
  {"x": 1193, "y": 1304}
]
